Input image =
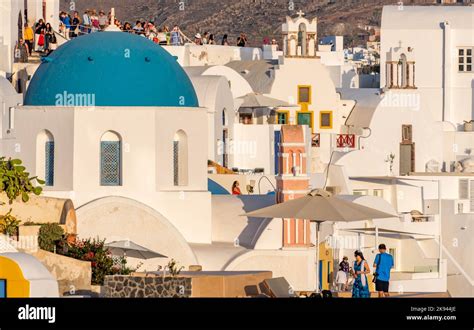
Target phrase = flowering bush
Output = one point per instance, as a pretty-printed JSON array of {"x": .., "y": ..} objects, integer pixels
[{"x": 95, "y": 251}]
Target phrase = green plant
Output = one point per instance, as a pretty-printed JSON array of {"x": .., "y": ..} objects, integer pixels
[
  {"x": 173, "y": 268},
  {"x": 15, "y": 181},
  {"x": 49, "y": 235},
  {"x": 9, "y": 224},
  {"x": 95, "y": 251}
]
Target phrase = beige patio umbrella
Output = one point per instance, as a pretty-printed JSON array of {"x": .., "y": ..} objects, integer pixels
[
  {"x": 255, "y": 100},
  {"x": 320, "y": 206}
]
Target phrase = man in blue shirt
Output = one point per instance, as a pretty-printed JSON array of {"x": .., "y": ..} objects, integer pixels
[{"x": 383, "y": 264}]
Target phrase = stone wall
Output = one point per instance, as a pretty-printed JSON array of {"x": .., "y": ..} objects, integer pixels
[
  {"x": 73, "y": 276},
  {"x": 120, "y": 286}
]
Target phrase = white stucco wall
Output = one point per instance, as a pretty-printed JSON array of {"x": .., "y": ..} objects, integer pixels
[
  {"x": 434, "y": 50},
  {"x": 194, "y": 55},
  {"x": 147, "y": 152},
  {"x": 301, "y": 71}
]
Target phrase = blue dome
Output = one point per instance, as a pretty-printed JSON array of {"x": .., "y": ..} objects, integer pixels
[{"x": 111, "y": 69}]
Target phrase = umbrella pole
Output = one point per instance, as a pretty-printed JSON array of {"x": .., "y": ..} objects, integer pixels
[
  {"x": 318, "y": 224},
  {"x": 123, "y": 261}
]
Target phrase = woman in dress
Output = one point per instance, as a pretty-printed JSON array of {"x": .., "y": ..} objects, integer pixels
[
  {"x": 360, "y": 289},
  {"x": 236, "y": 189},
  {"x": 48, "y": 38}
]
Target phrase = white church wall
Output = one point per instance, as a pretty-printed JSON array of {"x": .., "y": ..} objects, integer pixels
[
  {"x": 147, "y": 139},
  {"x": 110, "y": 219},
  {"x": 194, "y": 55},
  {"x": 214, "y": 94},
  {"x": 60, "y": 123}
]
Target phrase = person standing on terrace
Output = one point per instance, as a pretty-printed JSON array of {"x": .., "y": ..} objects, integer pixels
[
  {"x": 86, "y": 21},
  {"x": 242, "y": 40},
  {"x": 103, "y": 20},
  {"x": 76, "y": 22},
  {"x": 236, "y": 189},
  {"x": 360, "y": 289},
  {"x": 176, "y": 37},
  {"x": 225, "y": 41},
  {"x": 29, "y": 37}
]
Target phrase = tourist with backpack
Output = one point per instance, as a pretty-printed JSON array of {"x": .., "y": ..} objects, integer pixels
[{"x": 383, "y": 264}]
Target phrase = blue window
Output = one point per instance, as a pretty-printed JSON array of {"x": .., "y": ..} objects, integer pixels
[
  {"x": 110, "y": 163},
  {"x": 49, "y": 163},
  {"x": 3, "y": 288},
  {"x": 277, "y": 151},
  {"x": 176, "y": 163}
]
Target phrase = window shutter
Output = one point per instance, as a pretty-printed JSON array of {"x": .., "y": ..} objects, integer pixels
[
  {"x": 49, "y": 164},
  {"x": 176, "y": 162},
  {"x": 110, "y": 163},
  {"x": 464, "y": 189}
]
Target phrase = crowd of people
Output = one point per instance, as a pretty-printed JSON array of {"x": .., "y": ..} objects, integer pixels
[
  {"x": 41, "y": 37},
  {"x": 94, "y": 21},
  {"x": 356, "y": 276}
]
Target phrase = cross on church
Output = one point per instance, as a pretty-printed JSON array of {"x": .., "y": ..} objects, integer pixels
[{"x": 300, "y": 13}]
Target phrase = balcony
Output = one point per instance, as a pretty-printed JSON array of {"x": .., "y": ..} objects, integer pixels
[{"x": 346, "y": 141}]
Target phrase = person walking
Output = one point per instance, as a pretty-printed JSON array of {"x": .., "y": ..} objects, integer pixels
[
  {"x": 21, "y": 52},
  {"x": 360, "y": 289},
  {"x": 49, "y": 38},
  {"x": 39, "y": 35},
  {"x": 341, "y": 280},
  {"x": 344, "y": 265},
  {"x": 29, "y": 37},
  {"x": 383, "y": 264}
]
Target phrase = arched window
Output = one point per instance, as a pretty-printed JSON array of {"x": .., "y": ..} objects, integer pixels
[
  {"x": 180, "y": 159},
  {"x": 225, "y": 138},
  {"x": 302, "y": 39},
  {"x": 404, "y": 71},
  {"x": 110, "y": 159},
  {"x": 45, "y": 157},
  {"x": 224, "y": 117}
]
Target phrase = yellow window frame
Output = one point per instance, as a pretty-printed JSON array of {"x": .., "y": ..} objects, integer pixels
[
  {"x": 287, "y": 116},
  {"x": 330, "y": 113},
  {"x": 311, "y": 113},
  {"x": 310, "y": 94}
]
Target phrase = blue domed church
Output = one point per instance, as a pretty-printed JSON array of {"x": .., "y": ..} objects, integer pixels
[{"x": 113, "y": 122}]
